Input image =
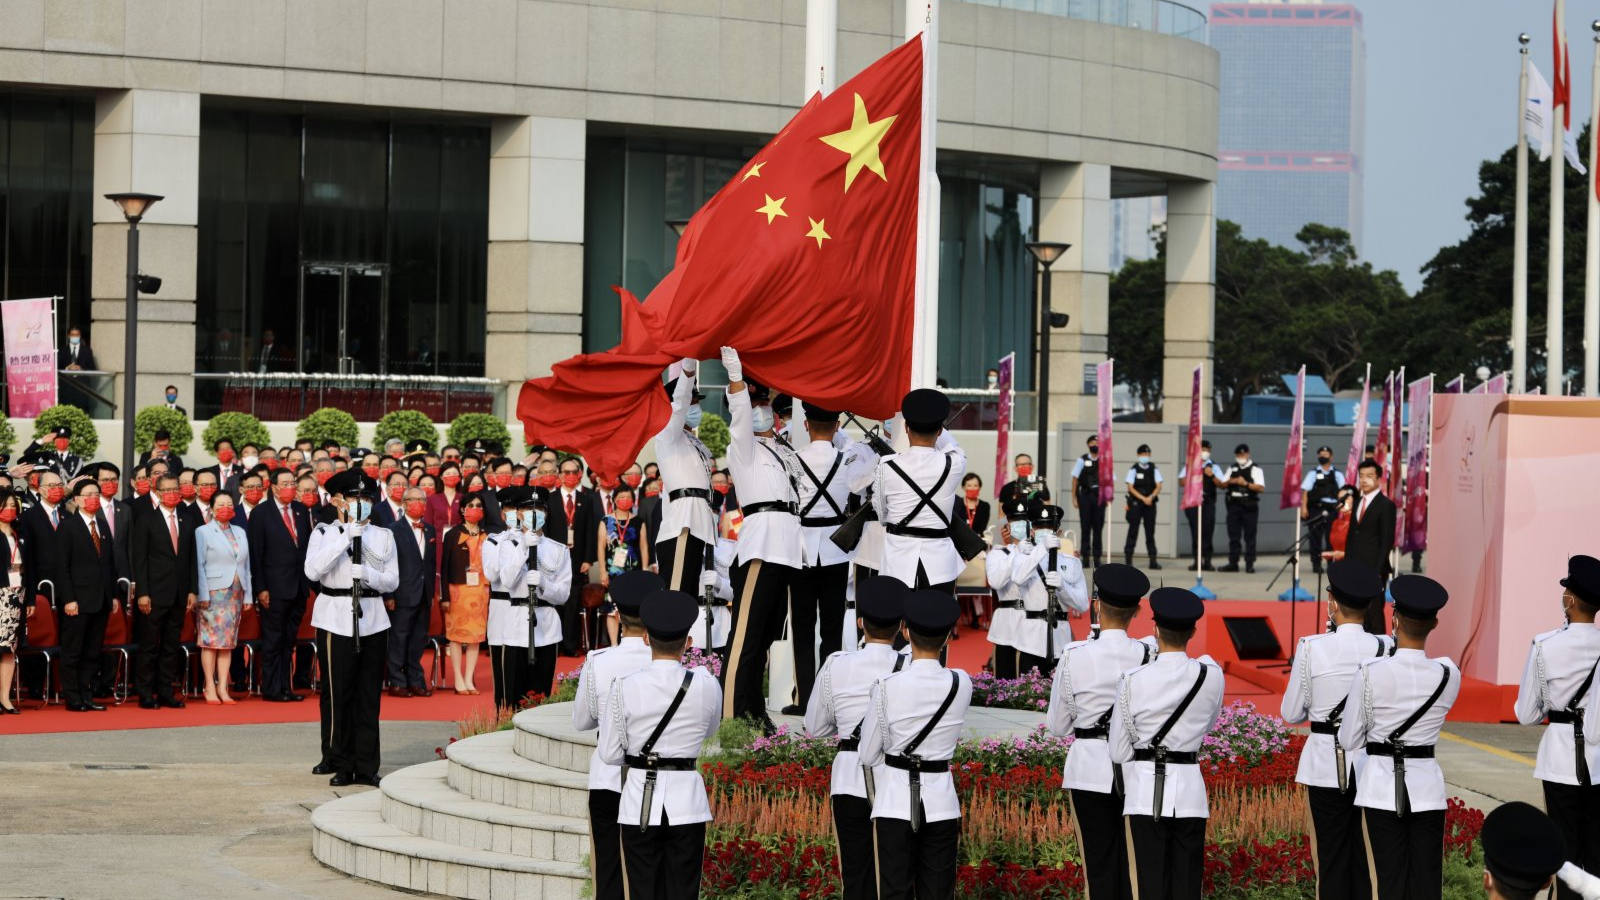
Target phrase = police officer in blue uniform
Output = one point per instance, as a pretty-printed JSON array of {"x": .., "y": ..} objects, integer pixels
[
  {"x": 1319, "y": 503},
  {"x": 1086, "y": 500}
]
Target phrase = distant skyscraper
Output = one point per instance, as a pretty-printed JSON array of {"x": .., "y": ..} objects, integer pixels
[
  {"x": 1293, "y": 116},
  {"x": 1135, "y": 222}
]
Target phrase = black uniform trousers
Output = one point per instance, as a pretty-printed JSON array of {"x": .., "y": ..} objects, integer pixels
[
  {"x": 408, "y": 637},
  {"x": 815, "y": 588},
  {"x": 81, "y": 638},
  {"x": 1202, "y": 527},
  {"x": 1145, "y": 515},
  {"x": 1007, "y": 661},
  {"x": 1167, "y": 857},
  {"x": 1319, "y": 541},
  {"x": 515, "y": 677},
  {"x": 1405, "y": 855},
  {"x": 1097, "y": 820},
  {"x": 605, "y": 843},
  {"x": 852, "y": 829},
  {"x": 160, "y": 649},
  {"x": 680, "y": 560},
  {"x": 1339, "y": 853},
  {"x": 663, "y": 862},
  {"x": 571, "y": 612},
  {"x": 1242, "y": 531},
  {"x": 760, "y": 602},
  {"x": 352, "y": 687},
  {"x": 1573, "y": 808},
  {"x": 280, "y": 625},
  {"x": 1093, "y": 516},
  {"x": 920, "y": 864}
]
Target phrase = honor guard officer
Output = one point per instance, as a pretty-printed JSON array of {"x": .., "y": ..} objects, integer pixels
[
  {"x": 535, "y": 574},
  {"x": 1144, "y": 486},
  {"x": 1397, "y": 705},
  {"x": 1081, "y": 701},
  {"x": 914, "y": 719},
  {"x": 1319, "y": 688},
  {"x": 1050, "y": 584},
  {"x": 1203, "y": 520},
  {"x": 352, "y": 566},
  {"x": 1558, "y": 683},
  {"x": 999, "y": 563},
  {"x": 655, "y": 723},
  {"x": 839, "y": 707},
  {"x": 710, "y": 630},
  {"x": 1163, "y": 712},
  {"x": 1086, "y": 500},
  {"x": 1522, "y": 852},
  {"x": 688, "y": 525},
  {"x": 1244, "y": 484},
  {"x": 1319, "y": 503},
  {"x": 768, "y": 546},
  {"x": 591, "y": 706},
  {"x": 915, "y": 493}
]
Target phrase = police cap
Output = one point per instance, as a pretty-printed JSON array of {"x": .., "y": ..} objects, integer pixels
[
  {"x": 881, "y": 600},
  {"x": 668, "y": 615},
  {"x": 352, "y": 483},
  {"x": 1324, "y": 449},
  {"x": 1522, "y": 847},
  {"x": 931, "y": 613},
  {"x": 1418, "y": 596},
  {"x": 1120, "y": 585},
  {"x": 925, "y": 409},
  {"x": 63, "y": 431},
  {"x": 1242, "y": 448},
  {"x": 514, "y": 497},
  {"x": 1044, "y": 515},
  {"x": 816, "y": 413},
  {"x": 1583, "y": 579},
  {"x": 1176, "y": 608},
  {"x": 538, "y": 496},
  {"x": 1353, "y": 583},
  {"x": 629, "y": 589},
  {"x": 1143, "y": 448},
  {"x": 1014, "y": 508},
  {"x": 759, "y": 393}
]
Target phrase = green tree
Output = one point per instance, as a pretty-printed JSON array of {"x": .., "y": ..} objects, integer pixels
[
  {"x": 471, "y": 426},
  {"x": 154, "y": 418},
  {"x": 408, "y": 425},
  {"x": 715, "y": 435},
  {"x": 85, "y": 437},
  {"x": 329, "y": 424},
  {"x": 239, "y": 427}
]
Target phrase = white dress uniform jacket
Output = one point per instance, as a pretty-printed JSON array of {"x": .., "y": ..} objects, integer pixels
[
  {"x": 900, "y": 705},
  {"x": 894, "y": 500},
  {"x": 1324, "y": 668},
  {"x": 763, "y": 472},
  {"x": 1029, "y": 562},
  {"x": 1384, "y": 694},
  {"x": 721, "y": 618},
  {"x": 1147, "y": 698},
  {"x": 840, "y": 706},
  {"x": 506, "y": 561},
  {"x": 637, "y": 703},
  {"x": 1084, "y": 695},
  {"x": 685, "y": 464},
  {"x": 592, "y": 705},
  {"x": 821, "y": 457},
  {"x": 328, "y": 563},
  {"x": 1558, "y": 663},
  {"x": 1006, "y": 623}
]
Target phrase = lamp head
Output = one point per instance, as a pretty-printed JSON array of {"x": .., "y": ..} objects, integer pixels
[
  {"x": 1047, "y": 252},
  {"x": 678, "y": 226},
  {"x": 134, "y": 205}
]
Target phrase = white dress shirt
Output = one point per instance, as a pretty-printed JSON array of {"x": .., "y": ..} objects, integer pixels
[
  {"x": 328, "y": 563},
  {"x": 1324, "y": 667},
  {"x": 1083, "y": 694},
  {"x": 840, "y": 706},
  {"x": 685, "y": 464},
  {"x": 593, "y": 702},
  {"x": 1006, "y": 622},
  {"x": 505, "y": 558},
  {"x": 1383, "y": 695},
  {"x": 898, "y": 709},
  {"x": 1558, "y": 663},
  {"x": 638, "y": 702},
  {"x": 1146, "y": 699},
  {"x": 721, "y": 618},
  {"x": 894, "y": 500},
  {"x": 1029, "y": 562},
  {"x": 762, "y": 472}
]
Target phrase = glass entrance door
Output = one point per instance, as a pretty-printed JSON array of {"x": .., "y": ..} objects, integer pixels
[{"x": 342, "y": 314}]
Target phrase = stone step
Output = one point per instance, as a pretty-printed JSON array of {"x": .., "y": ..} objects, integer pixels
[
  {"x": 350, "y": 835},
  {"x": 419, "y": 800},
  {"x": 544, "y": 734},
  {"x": 486, "y": 767}
]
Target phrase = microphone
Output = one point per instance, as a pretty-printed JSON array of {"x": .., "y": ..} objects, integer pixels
[{"x": 1587, "y": 886}]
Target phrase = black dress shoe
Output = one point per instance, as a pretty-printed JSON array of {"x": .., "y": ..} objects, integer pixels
[
  {"x": 10, "y": 710},
  {"x": 1192, "y": 567},
  {"x": 1208, "y": 567},
  {"x": 1249, "y": 568},
  {"x": 421, "y": 692},
  {"x": 148, "y": 703},
  {"x": 1230, "y": 567},
  {"x": 172, "y": 703},
  {"x": 322, "y": 768},
  {"x": 368, "y": 780},
  {"x": 1154, "y": 564},
  {"x": 75, "y": 706},
  {"x": 341, "y": 779},
  {"x": 793, "y": 710},
  {"x": 96, "y": 707},
  {"x": 293, "y": 697}
]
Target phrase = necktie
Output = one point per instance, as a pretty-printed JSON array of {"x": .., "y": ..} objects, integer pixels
[
  {"x": 55, "y": 518},
  {"x": 1363, "y": 514},
  {"x": 288, "y": 522},
  {"x": 172, "y": 526},
  {"x": 111, "y": 520},
  {"x": 205, "y": 514},
  {"x": 569, "y": 510},
  {"x": 94, "y": 535}
]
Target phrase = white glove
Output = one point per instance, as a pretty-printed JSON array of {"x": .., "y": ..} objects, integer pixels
[
  {"x": 533, "y": 579},
  {"x": 354, "y": 529},
  {"x": 1052, "y": 579},
  {"x": 708, "y": 579},
  {"x": 358, "y": 572},
  {"x": 690, "y": 366},
  {"x": 1049, "y": 540},
  {"x": 730, "y": 361}
]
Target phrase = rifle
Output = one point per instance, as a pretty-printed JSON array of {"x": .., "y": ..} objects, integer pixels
[
  {"x": 1050, "y": 610},
  {"x": 533, "y": 602},
  {"x": 877, "y": 443},
  {"x": 355, "y": 594},
  {"x": 709, "y": 564}
]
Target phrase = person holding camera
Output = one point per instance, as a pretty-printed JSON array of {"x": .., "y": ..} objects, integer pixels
[
  {"x": 1319, "y": 503},
  {"x": 1144, "y": 486}
]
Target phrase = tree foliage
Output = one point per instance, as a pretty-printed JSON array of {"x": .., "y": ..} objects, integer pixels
[
  {"x": 329, "y": 424},
  {"x": 155, "y": 418},
  {"x": 239, "y": 427}
]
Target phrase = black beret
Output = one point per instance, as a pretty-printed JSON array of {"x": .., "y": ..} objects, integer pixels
[
  {"x": 513, "y": 497},
  {"x": 1015, "y": 507},
  {"x": 629, "y": 589},
  {"x": 931, "y": 613},
  {"x": 1120, "y": 585},
  {"x": 881, "y": 599},
  {"x": 1522, "y": 847},
  {"x": 1583, "y": 579},
  {"x": 1176, "y": 608},
  {"x": 1242, "y": 448},
  {"x": 784, "y": 404},
  {"x": 352, "y": 483},
  {"x": 1418, "y": 596},
  {"x": 668, "y": 615},
  {"x": 1354, "y": 583},
  {"x": 816, "y": 413},
  {"x": 926, "y": 406},
  {"x": 1044, "y": 515}
]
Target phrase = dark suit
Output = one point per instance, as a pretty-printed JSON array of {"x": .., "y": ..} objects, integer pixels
[
  {"x": 88, "y": 577},
  {"x": 43, "y": 551},
  {"x": 226, "y": 475},
  {"x": 413, "y": 603},
  {"x": 278, "y": 568},
  {"x": 168, "y": 577},
  {"x": 1370, "y": 539},
  {"x": 384, "y": 515},
  {"x": 83, "y": 358},
  {"x": 581, "y": 536},
  {"x": 174, "y": 461}
]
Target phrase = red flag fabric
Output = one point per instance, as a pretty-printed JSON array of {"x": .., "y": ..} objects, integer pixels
[
  {"x": 1562, "y": 90},
  {"x": 1294, "y": 459},
  {"x": 804, "y": 262}
]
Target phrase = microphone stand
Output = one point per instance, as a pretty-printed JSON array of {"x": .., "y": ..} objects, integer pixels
[{"x": 1295, "y": 594}]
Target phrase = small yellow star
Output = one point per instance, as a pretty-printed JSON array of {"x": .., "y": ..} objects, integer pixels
[
  {"x": 860, "y": 142},
  {"x": 773, "y": 208},
  {"x": 752, "y": 172},
  {"x": 817, "y": 232}
]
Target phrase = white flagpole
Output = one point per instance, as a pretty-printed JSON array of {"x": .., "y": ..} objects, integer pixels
[
  {"x": 1591, "y": 252},
  {"x": 922, "y": 17},
  {"x": 1554, "y": 307},
  {"x": 1519, "y": 253}
]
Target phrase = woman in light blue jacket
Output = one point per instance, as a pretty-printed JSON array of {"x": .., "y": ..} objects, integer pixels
[{"x": 223, "y": 555}]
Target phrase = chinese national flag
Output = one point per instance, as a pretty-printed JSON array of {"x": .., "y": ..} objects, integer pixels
[{"x": 805, "y": 262}]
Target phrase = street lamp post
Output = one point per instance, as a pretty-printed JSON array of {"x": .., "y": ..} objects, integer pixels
[
  {"x": 1046, "y": 252},
  {"x": 133, "y": 206}
]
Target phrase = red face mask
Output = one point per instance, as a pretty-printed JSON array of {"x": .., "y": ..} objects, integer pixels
[
  {"x": 271, "y": 464},
  {"x": 54, "y": 493},
  {"x": 62, "y": 444},
  {"x": 652, "y": 492},
  {"x": 252, "y": 496},
  {"x": 372, "y": 472},
  {"x": 720, "y": 488},
  {"x": 90, "y": 504},
  {"x": 519, "y": 480},
  {"x": 397, "y": 492},
  {"x": 8, "y": 515},
  {"x": 416, "y": 508},
  {"x": 474, "y": 487},
  {"x": 570, "y": 479},
  {"x": 429, "y": 489},
  {"x": 972, "y": 493},
  {"x": 223, "y": 515},
  {"x": 396, "y": 454},
  {"x": 141, "y": 487},
  {"x": 625, "y": 503},
  {"x": 548, "y": 481},
  {"x": 431, "y": 470},
  {"x": 108, "y": 488},
  {"x": 224, "y": 456},
  {"x": 632, "y": 480},
  {"x": 322, "y": 477},
  {"x": 162, "y": 447},
  {"x": 472, "y": 514},
  {"x": 502, "y": 479},
  {"x": 308, "y": 499},
  {"x": 286, "y": 494},
  {"x": 187, "y": 491},
  {"x": 1024, "y": 470},
  {"x": 413, "y": 479},
  {"x": 170, "y": 499},
  {"x": 33, "y": 481},
  {"x": 450, "y": 479},
  {"x": 206, "y": 492}
]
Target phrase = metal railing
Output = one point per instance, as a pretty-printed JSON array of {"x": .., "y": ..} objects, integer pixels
[
  {"x": 1160, "y": 16},
  {"x": 88, "y": 389},
  {"x": 291, "y": 396}
]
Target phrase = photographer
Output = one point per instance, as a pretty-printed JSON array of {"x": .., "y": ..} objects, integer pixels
[{"x": 1319, "y": 503}]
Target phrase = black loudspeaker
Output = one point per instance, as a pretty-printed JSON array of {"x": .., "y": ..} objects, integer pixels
[{"x": 1253, "y": 638}]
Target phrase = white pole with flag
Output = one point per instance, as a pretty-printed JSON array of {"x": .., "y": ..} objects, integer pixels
[
  {"x": 1591, "y": 250},
  {"x": 922, "y": 17},
  {"x": 1519, "y": 252},
  {"x": 1554, "y": 365}
]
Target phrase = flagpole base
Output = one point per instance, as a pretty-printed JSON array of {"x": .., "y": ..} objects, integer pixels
[
  {"x": 1200, "y": 590},
  {"x": 1296, "y": 592}
]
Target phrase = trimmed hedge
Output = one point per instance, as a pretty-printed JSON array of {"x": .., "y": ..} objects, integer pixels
[
  {"x": 154, "y": 418},
  {"x": 329, "y": 424},
  {"x": 408, "y": 425},
  {"x": 715, "y": 435},
  {"x": 471, "y": 426},
  {"x": 241, "y": 428},
  {"x": 8, "y": 436},
  {"x": 85, "y": 437}
]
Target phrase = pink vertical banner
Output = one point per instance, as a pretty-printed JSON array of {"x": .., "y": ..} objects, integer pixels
[
  {"x": 1294, "y": 457},
  {"x": 1380, "y": 448},
  {"x": 1416, "y": 505},
  {"x": 1454, "y": 385},
  {"x": 1481, "y": 388},
  {"x": 1358, "y": 440},
  {"x": 1108, "y": 483},
  {"x": 1002, "y": 443},
  {"x": 1194, "y": 477},
  {"x": 1397, "y": 457},
  {"x": 1495, "y": 385},
  {"x": 30, "y": 327}
]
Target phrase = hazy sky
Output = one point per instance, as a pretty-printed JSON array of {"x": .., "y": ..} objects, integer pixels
[{"x": 1441, "y": 98}]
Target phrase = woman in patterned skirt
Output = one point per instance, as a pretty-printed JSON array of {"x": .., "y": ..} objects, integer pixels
[
  {"x": 466, "y": 597},
  {"x": 11, "y": 612},
  {"x": 223, "y": 555}
]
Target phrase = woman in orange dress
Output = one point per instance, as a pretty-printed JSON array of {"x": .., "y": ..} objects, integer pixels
[{"x": 466, "y": 599}]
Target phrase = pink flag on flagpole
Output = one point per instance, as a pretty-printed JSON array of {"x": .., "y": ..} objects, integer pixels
[
  {"x": 1454, "y": 385},
  {"x": 1358, "y": 440},
  {"x": 1002, "y": 446},
  {"x": 1495, "y": 385},
  {"x": 1293, "y": 466},
  {"x": 1102, "y": 377},
  {"x": 1380, "y": 448},
  {"x": 1193, "y": 481},
  {"x": 30, "y": 346},
  {"x": 1396, "y": 487},
  {"x": 1417, "y": 445}
]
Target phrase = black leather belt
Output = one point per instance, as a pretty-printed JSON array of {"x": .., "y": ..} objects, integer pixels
[
  {"x": 518, "y": 601},
  {"x": 925, "y": 533},
  {"x": 1173, "y": 757},
  {"x": 917, "y": 765},
  {"x": 849, "y": 745},
  {"x": 1561, "y": 717},
  {"x": 1037, "y": 613},
  {"x": 1408, "y": 751},
  {"x": 1092, "y": 734},
  {"x": 825, "y": 522},
  {"x": 343, "y": 592},
  {"x": 1011, "y": 604},
  {"x": 1329, "y": 728},
  {"x": 697, "y": 493},
  {"x": 660, "y": 763},
  {"x": 750, "y": 509}
]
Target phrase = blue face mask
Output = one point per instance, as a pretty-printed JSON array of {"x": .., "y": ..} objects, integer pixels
[
  {"x": 512, "y": 520},
  {"x": 1019, "y": 531},
  {"x": 538, "y": 519},
  {"x": 1144, "y": 460},
  {"x": 692, "y": 417},
  {"x": 761, "y": 419},
  {"x": 360, "y": 510}
]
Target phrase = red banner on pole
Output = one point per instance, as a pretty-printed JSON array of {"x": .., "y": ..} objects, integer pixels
[
  {"x": 1002, "y": 444},
  {"x": 1380, "y": 448},
  {"x": 1293, "y": 465},
  {"x": 1358, "y": 440},
  {"x": 1194, "y": 477},
  {"x": 1108, "y": 487}
]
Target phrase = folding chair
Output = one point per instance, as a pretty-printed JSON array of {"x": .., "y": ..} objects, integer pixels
[{"x": 41, "y": 638}]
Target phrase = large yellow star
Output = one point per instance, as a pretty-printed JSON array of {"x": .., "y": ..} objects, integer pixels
[
  {"x": 773, "y": 208},
  {"x": 817, "y": 232},
  {"x": 753, "y": 172},
  {"x": 861, "y": 143}
]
